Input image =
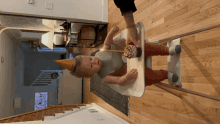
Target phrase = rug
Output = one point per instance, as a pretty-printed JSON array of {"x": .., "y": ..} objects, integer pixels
[{"x": 113, "y": 98}]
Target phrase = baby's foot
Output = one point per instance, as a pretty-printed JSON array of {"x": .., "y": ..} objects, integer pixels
[{"x": 114, "y": 30}]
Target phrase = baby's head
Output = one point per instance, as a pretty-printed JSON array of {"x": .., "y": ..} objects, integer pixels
[{"x": 85, "y": 66}]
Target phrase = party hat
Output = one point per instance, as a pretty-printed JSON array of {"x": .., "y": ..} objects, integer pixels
[{"x": 66, "y": 63}]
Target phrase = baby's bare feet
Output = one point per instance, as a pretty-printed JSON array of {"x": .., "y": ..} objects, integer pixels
[{"x": 114, "y": 30}]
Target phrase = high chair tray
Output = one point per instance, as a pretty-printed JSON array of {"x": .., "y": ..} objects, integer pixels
[{"x": 137, "y": 87}]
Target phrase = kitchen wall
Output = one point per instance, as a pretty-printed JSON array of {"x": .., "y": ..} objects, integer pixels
[
  {"x": 25, "y": 56},
  {"x": 27, "y": 95},
  {"x": 12, "y": 75},
  {"x": 36, "y": 61},
  {"x": 76, "y": 10}
]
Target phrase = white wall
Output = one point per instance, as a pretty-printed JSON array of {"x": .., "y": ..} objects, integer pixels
[
  {"x": 27, "y": 97},
  {"x": 84, "y": 10},
  {"x": 12, "y": 78},
  {"x": 72, "y": 89},
  {"x": 7, "y": 73},
  {"x": 26, "y": 93},
  {"x": 19, "y": 22}
]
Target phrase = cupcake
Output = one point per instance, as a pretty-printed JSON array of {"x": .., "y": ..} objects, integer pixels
[{"x": 132, "y": 52}]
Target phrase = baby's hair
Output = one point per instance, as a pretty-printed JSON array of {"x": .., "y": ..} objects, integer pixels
[{"x": 75, "y": 71}]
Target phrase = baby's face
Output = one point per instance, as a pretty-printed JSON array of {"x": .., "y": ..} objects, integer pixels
[{"x": 91, "y": 65}]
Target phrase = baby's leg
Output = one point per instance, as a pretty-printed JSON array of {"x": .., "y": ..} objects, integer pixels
[
  {"x": 164, "y": 43},
  {"x": 154, "y": 76},
  {"x": 153, "y": 49},
  {"x": 120, "y": 72}
]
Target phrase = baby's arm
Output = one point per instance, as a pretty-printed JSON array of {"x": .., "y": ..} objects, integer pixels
[
  {"x": 114, "y": 79},
  {"x": 117, "y": 76},
  {"x": 121, "y": 80},
  {"x": 109, "y": 37}
]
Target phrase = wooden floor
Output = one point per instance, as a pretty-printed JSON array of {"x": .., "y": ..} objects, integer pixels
[{"x": 200, "y": 62}]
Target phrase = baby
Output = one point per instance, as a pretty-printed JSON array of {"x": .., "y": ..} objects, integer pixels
[
  {"x": 107, "y": 65},
  {"x": 110, "y": 67}
]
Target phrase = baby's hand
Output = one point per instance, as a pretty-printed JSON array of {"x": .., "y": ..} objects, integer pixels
[{"x": 130, "y": 76}]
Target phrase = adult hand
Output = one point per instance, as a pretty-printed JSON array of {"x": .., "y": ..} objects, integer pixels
[{"x": 132, "y": 36}]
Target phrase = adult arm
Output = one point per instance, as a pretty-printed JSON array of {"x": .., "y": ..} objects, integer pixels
[
  {"x": 127, "y": 11},
  {"x": 132, "y": 34},
  {"x": 125, "y": 6}
]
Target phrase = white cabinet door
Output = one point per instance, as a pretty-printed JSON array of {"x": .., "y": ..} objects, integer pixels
[{"x": 47, "y": 39}]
